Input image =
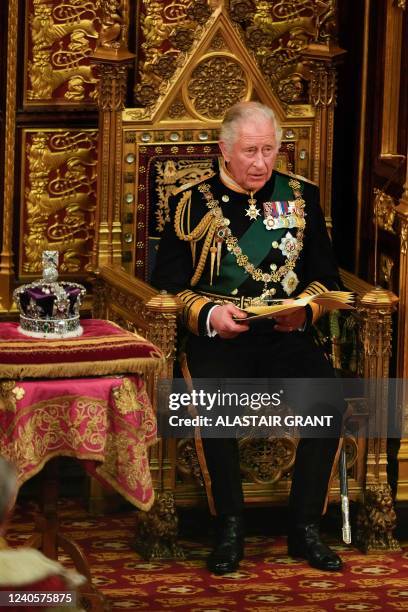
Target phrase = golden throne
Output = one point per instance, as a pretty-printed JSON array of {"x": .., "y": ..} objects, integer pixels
[{"x": 147, "y": 152}]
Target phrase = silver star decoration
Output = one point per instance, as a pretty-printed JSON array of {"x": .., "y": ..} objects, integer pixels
[{"x": 252, "y": 212}]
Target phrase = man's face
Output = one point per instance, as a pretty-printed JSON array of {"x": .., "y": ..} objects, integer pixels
[{"x": 252, "y": 157}]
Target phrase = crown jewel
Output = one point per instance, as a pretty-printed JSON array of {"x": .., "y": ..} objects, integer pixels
[{"x": 50, "y": 309}]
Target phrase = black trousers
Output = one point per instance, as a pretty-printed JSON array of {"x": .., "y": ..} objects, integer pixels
[{"x": 264, "y": 353}]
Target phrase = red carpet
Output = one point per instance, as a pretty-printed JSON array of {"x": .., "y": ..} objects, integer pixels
[{"x": 267, "y": 581}]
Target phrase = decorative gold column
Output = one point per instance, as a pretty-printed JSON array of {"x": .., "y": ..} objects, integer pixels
[
  {"x": 377, "y": 519},
  {"x": 323, "y": 96},
  {"x": 113, "y": 59},
  {"x": 402, "y": 359},
  {"x": 6, "y": 256}
]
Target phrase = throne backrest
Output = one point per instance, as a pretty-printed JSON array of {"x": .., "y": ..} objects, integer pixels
[{"x": 174, "y": 140}]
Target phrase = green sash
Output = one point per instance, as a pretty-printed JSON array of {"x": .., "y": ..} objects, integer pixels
[{"x": 256, "y": 243}]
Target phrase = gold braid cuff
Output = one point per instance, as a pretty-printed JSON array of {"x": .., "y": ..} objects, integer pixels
[
  {"x": 207, "y": 227},
  {"x": 314, "y": 289},
  {"x": 193, "y": 303}
]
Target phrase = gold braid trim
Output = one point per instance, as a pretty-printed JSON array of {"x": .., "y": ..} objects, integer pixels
[
  {"x": 193, "y": 303},
  {"x": 204, "y": 254},
  {"x": 207, "y": 227},
  {"x": 132, "y": 365},
  {"x": 314, "y": 289}
]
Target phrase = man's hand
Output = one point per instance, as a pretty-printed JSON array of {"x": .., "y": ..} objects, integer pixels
[
  {"x": 222, "y": 322},
  {"x": 290, "y": 322}
]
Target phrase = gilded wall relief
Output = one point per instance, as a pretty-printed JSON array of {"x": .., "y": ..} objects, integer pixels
[
  {"x": 58, "y": 199},
  {"x": 168, "y": 31},
  {"x": 384, "y": 211},
  {"x": 60, "y": 37},
  {"x": 277, "y": 33}
]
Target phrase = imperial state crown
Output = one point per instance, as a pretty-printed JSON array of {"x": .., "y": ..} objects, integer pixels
[{"x": 48, "y": 308}]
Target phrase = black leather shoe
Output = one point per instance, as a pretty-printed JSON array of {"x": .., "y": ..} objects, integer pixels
[
  {"x": 304, "y": 542},
  {"x": 229, "y": 549}
]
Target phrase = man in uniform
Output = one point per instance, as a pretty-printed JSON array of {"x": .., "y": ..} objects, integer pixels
[{"x": 248, "y": 232}]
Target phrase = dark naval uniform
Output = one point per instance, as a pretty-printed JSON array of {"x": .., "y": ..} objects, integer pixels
[{"x": 223, "y": 244}]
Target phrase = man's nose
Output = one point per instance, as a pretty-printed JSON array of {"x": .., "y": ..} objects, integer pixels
[{"x": 259, "y": 160}]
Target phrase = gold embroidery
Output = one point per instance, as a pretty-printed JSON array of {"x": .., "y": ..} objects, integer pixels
[
  {"x": 8, "y": 397},
  {"x": 124, "y": 397}
]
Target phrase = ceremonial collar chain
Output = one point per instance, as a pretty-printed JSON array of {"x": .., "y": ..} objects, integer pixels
[{"x": 223, "y": 232}]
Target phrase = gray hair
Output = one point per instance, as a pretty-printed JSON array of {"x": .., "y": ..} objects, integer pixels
[
  {"x": 8, "y": 486},
  {"x": 242, "y": 111}
]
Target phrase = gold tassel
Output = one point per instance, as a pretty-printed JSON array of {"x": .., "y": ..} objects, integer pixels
[
  {"x": 219, "y": 246},
  {"x": 213, "y": 251},
  {"x": 193, "y": 251}
]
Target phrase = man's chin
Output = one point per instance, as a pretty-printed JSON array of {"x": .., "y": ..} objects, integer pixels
[{"x": 256, "y": 184}]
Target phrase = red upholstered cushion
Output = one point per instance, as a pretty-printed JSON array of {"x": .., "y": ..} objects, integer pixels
[{"x": 103, "y": 349}]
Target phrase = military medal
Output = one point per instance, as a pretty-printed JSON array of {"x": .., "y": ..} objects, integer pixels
[
  {"x": 289, "y": 282},
  {"x": 289, "y": 245},
  {"x": 252, "y": 211}
]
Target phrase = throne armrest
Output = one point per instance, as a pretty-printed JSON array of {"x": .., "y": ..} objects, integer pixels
[{"x": 137, "y": 306}]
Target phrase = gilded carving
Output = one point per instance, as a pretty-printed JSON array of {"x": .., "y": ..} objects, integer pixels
[
  {"x": 113, "y": 32},
  {"x": 384, "y": 211},
  {"x": 323, "y": 84},
  {"x": 278, "y": 32},
  {"x": 169, "y": 30},
  {"x": 267, "y": 460},
  {"x": 62, "y": 37},
  {"x": 199, "y": 11},
  {"x": 218, "y": 43},
  {"x": 216, "y": 83},
  {"x": 241, "y": 10},
  {"x": 290, "y": 89},
  {"x": 112, "y": 86},
  {"x": 157, "y": 530},
  {"x": 182, "y": 38},
  {"x": 404, "y": 238},
  {"x": 176, "y": 110},
  {"x": 386, "y": 266},
  {"x": 187, "y": 461},
  {"x": 60, "y": 198},
  {"x": 401, "y": 4},
  {"x": 377, "y": 520}
]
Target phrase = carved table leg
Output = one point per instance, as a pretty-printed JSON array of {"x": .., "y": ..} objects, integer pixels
[
  {"x": 157, "y": 530},
  {"x": 48, "y": 539},
  {"x": 376, "y": 520}
]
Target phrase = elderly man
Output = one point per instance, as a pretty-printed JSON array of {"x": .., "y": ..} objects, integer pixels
[{"x": 251, "y": 231}]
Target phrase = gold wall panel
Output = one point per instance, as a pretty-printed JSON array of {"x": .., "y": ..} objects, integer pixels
[
  {"x": 60, "y": 37},
  {"x": 58, "y": 198}
]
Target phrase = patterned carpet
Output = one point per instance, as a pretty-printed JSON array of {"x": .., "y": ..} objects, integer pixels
[{"x": 268, "y": 580}]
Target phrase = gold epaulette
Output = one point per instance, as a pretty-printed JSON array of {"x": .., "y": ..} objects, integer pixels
[
  {"x": 191, "y": 184},
  {"x": 299, "y": 177}
]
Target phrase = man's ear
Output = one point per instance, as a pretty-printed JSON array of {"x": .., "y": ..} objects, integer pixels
[{"x": 224, "y": 150}]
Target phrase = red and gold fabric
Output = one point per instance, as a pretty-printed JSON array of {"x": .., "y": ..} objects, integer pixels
[
  {"x": 109, "y": 422},
  {"x": 103, "y": 349}
]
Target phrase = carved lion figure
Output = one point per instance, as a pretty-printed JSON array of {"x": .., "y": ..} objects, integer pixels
[{"x": 156, "y": 531}]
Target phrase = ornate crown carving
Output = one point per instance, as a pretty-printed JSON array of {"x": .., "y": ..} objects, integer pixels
[{"x": 50, "y": 309}]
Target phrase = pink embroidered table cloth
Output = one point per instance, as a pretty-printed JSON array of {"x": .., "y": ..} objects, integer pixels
[
  {"x": 108, "y": 422},
  {"x": 80, "y": 397}
]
